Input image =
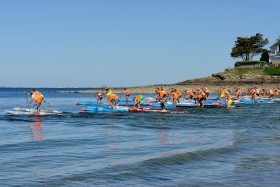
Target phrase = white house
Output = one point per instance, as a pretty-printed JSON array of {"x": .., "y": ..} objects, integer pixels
[{"x": 275, "y": 53}]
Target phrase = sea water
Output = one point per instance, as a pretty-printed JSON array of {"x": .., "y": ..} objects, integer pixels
[{"x": 206, "y": 147}]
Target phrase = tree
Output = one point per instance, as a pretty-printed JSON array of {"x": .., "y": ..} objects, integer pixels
[
  {"x": 265, "y": 56},
  {"x": 246, "y": 48}
]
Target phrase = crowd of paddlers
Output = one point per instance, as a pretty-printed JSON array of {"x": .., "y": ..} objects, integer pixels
[
  {"x": 173, "y": 98},
  {"x": 199, "y": 95}
]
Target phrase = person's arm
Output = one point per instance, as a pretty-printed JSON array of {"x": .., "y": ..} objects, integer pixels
[{"x": 31, "y": 100}]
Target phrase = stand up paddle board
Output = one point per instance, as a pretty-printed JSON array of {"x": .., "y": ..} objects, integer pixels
[
  {"x": 102, "y": 109},
  {"x": 27, "y": 111},
  {"x": 157, "y": 110}
]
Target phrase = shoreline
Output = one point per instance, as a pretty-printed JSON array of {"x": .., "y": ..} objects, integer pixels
[{"x": 213, "y": 88}]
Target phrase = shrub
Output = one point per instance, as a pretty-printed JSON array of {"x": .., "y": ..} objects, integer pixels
[
  {"x": 240, "y": 63},
  {"x": 272, "y": 71}
]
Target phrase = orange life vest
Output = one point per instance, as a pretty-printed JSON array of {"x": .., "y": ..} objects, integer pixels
[
  {"x": 238, "y": 92},
  {"x": 189, "y": 92},
  {"x": 38, "y": 97},
  {"x": 229, "y": 97},
  {"x": 138, "y": 97},
  {"x": 127, "y": 92},
  {"x": 201, "y": 94},
  {"x": 113, "y": 97},
  {"x": 223, "y": 91},
  {"x": 178, "y": 93},
  {"x": 174, "y": 95},
  {"x": 161, "y": 94},
  {"x": 194, "y": 91}
]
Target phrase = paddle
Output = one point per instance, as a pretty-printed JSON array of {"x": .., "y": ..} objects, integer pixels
[
  {"x": 96, "y": 102},
  {"x": 27, "y": 102},
  {"x": 47, "y": 106}
]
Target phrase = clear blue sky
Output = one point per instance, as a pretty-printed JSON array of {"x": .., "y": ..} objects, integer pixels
[{"x": 89, "y": 43}]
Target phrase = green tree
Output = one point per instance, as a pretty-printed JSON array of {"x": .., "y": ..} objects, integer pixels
[
  {"x": 265, "y": 56},
  {"x": 248, "y": 47}
]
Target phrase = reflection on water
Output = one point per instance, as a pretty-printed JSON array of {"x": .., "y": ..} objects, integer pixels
[{"x": 37, "y": 128}]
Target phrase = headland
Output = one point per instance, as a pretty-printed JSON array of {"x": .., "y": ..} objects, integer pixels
[{"x": 230, "y": 79}]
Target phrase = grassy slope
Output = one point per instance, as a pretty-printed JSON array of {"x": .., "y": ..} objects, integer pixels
[{"x": 253, "y": 71}]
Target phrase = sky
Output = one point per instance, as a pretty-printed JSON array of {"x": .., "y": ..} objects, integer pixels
[{"x": 122, "y": 43}]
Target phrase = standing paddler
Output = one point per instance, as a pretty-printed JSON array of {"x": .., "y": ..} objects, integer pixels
[{"x": 37, "y": 98}]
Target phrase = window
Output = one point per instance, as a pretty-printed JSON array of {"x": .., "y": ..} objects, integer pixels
[{"x": 273, "y": 51}]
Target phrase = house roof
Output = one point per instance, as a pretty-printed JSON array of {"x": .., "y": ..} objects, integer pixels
[{"x": 276, "y": 44}]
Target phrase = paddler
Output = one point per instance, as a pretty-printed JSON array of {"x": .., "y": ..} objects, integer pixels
[
  {"x": 113, "y": 100},
  {"x": 252, "y": 91},
  {"x": 190, "y": 94},
  {"x": 174, "y": 95},
  {"x": 161, "y": 97},
  {"x": 276, "y": 92},
  {"x": 179, "y": 95},
  {"x": 137, "y": 100},
  {"x": 229, "y": 99},
  {"x": 206, "y": 91},
  {"x": 238, "y": 93},
  {"x": 108, "y": 91},
  {"x": 201, "y": 96},
  {"x": 271, "y": 93},
  {"x": 99, "y": 97},
  {"x": 127, "y": 93},
  {"x": 223, "y": 92},
  {"x": 37, "y": 98}
]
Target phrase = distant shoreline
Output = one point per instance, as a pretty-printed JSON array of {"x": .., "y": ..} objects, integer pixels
[{"x": 214, "y": 88}]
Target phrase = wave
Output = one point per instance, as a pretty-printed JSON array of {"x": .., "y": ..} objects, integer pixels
[{"x": 155, "y": 171}]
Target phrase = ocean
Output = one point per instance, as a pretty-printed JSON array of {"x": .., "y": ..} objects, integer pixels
[{"x": 206, "y": 147}]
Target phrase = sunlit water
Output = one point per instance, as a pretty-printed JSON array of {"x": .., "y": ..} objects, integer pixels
[{"x": 206, "y": 147}]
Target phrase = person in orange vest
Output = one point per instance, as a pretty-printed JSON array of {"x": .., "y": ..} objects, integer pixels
[
  {"x": 179, "y": 95},
  {"x": 252, "y": 91},
  {"x": 113, "y": 100},
  {"x": 238, "y": 93},
  {"x": 229, "y": 99},
  {"x": 161, "y": 97},
  {"x": 174, "y": 95},
  {"x": 223, "y": 92},
  {"x": 264, "y": 92},
  {"x": 127, "y": 93},
  {"x": 137, "y": 100},
  {"x": 206, "y": 91},
  {"x": 190, "y": 94},
  {"x": 271, "y": 93},
  {"x": 200, "y": 97},
  {"x": 37, "y": 99}
]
